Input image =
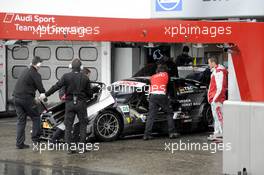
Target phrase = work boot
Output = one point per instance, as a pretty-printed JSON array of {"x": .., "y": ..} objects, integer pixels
[
  {"x": 147, "y": 137},
  {"x": 71, "y": 151},
  {"x": 174, "y": 135},
  {"x": 23, "y": 146}
]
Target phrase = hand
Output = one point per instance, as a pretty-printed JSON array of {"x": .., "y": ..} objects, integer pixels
[
  {"x": 94, "y": 95},
  {"x": 42, "y": 96}
]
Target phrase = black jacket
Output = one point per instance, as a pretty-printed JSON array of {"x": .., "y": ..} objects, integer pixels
[
  {"x": 75, "y": 83},
  {"x": 184, "y": 60},
  {"x": 27, "y": 84}
]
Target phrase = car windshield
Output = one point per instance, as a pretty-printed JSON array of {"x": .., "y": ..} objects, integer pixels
[{"x": 124, "y": 90}]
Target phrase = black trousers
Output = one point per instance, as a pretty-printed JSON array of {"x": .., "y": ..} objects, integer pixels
[
  {"x": 155, "y": 102},
  {"x": 79, "y": 109},
  {"x": 24, "y": 108},
  {"x": 58, "y": 134}
]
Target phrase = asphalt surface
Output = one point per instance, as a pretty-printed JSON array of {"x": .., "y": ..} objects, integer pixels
[{"x": 126, "y": 156}]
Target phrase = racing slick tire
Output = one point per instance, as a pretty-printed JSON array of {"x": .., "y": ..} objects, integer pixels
[
  {"x": 207, "y": 121},
  {"x": 107, "y": 126}
]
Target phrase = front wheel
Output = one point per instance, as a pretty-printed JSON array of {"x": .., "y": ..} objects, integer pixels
[
  {"x": 208, "y": 120},
  {"x": 107, "y": 126}
]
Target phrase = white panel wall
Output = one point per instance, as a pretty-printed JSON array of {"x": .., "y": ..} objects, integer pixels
[
  {"x": 243, "y": 128},
  {"x": 126, "y": 62},
  {"x": 2, "y": 78},
  {"x": 106, "y": 63},
  {"x": 233, "y": 90}
]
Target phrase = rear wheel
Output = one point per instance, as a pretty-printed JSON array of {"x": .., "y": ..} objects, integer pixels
[{"x": 107, "y": 126}]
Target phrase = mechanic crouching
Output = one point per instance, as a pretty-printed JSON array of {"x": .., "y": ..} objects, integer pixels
[
  {"x": 158, "y": 98},
  {"x": 77, "y": 90}
]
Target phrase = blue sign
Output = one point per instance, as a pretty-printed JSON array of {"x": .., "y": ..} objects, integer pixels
[{"x": 168, "y": 5}]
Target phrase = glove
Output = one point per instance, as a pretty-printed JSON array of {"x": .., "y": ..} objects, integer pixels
[{"x": 42, "y": 96}]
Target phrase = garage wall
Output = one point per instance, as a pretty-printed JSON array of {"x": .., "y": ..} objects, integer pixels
[
  {"x": 126, "y": 62},
  {"x": 57, "y": 56}
]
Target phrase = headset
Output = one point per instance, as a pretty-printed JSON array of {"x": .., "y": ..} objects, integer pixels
[
  {"x": 81, "y": 67},
  {"x": 38, "y": 64}
]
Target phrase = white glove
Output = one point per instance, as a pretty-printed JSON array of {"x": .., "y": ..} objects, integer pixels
[
  {"x": 42, "y": 96},
  {"x": 94, "y": 95}
]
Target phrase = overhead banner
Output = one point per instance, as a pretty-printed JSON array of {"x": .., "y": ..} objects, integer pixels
[
  {"x": 193, "y": 9},
  {"x": 51, "y": 27}
]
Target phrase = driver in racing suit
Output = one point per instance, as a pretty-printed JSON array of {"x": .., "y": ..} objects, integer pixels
[{"x": 217, "y": 95}]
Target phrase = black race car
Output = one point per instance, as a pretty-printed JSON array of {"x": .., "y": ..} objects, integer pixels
[{"x": 122, "y": 109}]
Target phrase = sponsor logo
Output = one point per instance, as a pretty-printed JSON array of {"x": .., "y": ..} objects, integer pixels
[
  {"x": 8, "y": 18},
  {"x": 168, "y": 5}
]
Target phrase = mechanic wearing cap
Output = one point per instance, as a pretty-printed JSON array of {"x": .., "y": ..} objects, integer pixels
[
  {"x": 24, "y": 95},
  {"x": 217, "y": 95},
  {"x": 158, "y": 98},
  {"x": 77, "y": 89}
]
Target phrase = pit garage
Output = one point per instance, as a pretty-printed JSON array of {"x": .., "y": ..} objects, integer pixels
[{"x": 125, "y": 51}]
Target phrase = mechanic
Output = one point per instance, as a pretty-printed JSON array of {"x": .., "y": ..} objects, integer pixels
[
  {"x": 217, "y": 95},
  {"x": 24, "y": 95},
  {"x": 77, "y": 88},
  {"x": 184, "y": 59},
  {"x": 158, "y": 58},
  {"x": 76, "y": 131},
  {"x": 172, "y": 67},
  {"x": 158, "y": 98},
  {"x": 62, "y": 94}
]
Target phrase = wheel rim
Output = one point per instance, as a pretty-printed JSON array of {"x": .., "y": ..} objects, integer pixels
[{"x": 107, "y": 125}]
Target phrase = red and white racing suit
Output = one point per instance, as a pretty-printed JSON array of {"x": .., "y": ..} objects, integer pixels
[{"x": 217, "y": 95}]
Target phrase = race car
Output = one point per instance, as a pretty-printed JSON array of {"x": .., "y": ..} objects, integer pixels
[{"x": 122, "y": 109}]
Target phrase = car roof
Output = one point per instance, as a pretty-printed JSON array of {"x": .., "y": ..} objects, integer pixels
[{"x": 146, "y": 79}]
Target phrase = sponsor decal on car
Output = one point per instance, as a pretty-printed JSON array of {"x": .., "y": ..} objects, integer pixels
[
  {"x": 124, "y": 108},
  {"x": 129, "y": 83},
  {"x": 187, "y": 89}
]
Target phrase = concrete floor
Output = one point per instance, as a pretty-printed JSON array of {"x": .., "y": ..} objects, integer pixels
[{"x": 127, "y": 156}]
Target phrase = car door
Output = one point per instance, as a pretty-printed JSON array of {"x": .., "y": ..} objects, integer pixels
[{"x": 190, "y": 95}]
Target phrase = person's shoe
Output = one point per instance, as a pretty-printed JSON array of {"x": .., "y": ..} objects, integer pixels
[
  {"x": 71, "y": 152},
  {"x": 147, "y": 137},
  {"x": 23, "y": 146},
  {"x": 211, "y": 137},
  {"x": 174, "y": 135},
  {"x": 219, "y": 135}
]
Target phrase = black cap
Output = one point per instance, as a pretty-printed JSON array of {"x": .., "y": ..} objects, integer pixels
[
  {"x": 36, "y": 60},
  {"x": 185, "y": 49}
]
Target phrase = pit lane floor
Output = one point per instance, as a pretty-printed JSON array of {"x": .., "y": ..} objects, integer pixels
[{"x": 126, "y": 156}]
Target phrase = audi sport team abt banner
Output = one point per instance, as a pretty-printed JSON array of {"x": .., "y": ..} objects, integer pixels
[
  {"x": 47, "y": 27},
  {"x": 248, "y": 38}
]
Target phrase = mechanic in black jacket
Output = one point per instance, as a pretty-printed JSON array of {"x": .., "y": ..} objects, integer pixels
[
  {"x": 58, "y": 134},
  {"x": 24, "y": 94},
  {"x": 184, "y": 59},
  {"x": 77, "y": 89}
]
